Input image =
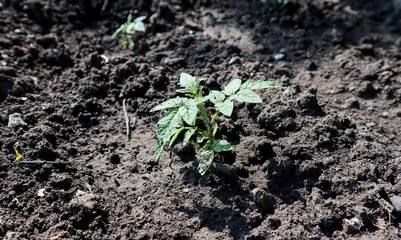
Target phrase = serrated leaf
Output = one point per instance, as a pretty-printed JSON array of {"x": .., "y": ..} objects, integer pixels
[
  {"x": 169, "y": 125},
  {"x": 159, "y": 148},
  {"x": 186, "y": 80},
  {"x": 183, "y": 90},
  {"x": 169, "y": 128},
  {"x": 259, "y": 84},
  {"x": 198, "y": 82},
  {"x": 188, "y": 134},
  {"x": 171, "y": 103},
  {"x": 202, "y": 99},
  {"x": 188, "y": 113},
  {"x": 225, "y": 107},
  {"x": 166, "y": 119},
  {"x": 248, "y": 95},
  {"x": 221, "y": 146},
  {"x": 205, "y": 161},
  {"x": 232, "y": 87},
  {"x": 216, "y": 96}
]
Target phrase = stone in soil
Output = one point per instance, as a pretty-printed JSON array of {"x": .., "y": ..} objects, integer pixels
[{"x": 15, "y": 120}]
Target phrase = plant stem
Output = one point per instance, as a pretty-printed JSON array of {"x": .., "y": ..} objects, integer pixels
[
  {"x": 207, "y": 122},
  {"x": 214, "y": 118},
  {"x": 202, "y": 131}
]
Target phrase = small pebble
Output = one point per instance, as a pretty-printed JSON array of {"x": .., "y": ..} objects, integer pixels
[
  {"x": 233, "y": 60},
  {"x": 355, "y": 221},
  {"x": 384, "y": 114},
  {"x": 370, "y": 124},
  {"x": 287, "y": 93},
  {"x": 15, "y": 120},
  {"x": 352, "y": 226},
  {"x": 396, "y": 202},
  {"x": 41, "y": 192},
  {"x": 279, "y": 56}
]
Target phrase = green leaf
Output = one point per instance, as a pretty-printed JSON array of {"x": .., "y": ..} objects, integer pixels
[
  {"x": 221, "y": 146},
  {"x": 283, "y": 3},
  {"x": 172, "y": 140},
  {"x": 130, "y": 28},
  {"x": 201, "y": 137},
  {"x": 136, "y": 25},
  {"x": 140, "y": 19},
  {"x": 129, "y": 19},
  {"x": 202, "y": 99},
  {"x": 186, "y": 80},
  {"x": 183, "y": 90},
  {"x": 169, "y": 125},
  {"x": 205, "y": 161},
  {"x": 198, "y": 82},
  {"x": 118, "y": 31},
  {"x": 225, "y": 107},
  {"x": 131, "y": 43},
  {"x": 247, "y": 95},
  {"x": 125, "y": 43},
  {"x": 139, "y": 26},
  {"x": 259, "y": 84},
  {"x": 188, "y": 134},
  {"x": 159, "y": 148},
  {"x": 171, "y": 103},
  {"x": 188, "y": 113},
  {"x": 216, "y": 96},
  {"x": 232, "y": 87}
]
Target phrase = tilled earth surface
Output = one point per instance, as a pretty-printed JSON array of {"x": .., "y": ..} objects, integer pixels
[{"x": 319, "y": 159}]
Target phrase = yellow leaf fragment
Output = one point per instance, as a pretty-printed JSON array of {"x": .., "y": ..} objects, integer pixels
[{"x": 19, "y": 156}]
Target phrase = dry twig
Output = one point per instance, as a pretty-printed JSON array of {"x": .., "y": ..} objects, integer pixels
[
  {"x": 126, "y": 120},
  {"x": 42, "y": 162}
]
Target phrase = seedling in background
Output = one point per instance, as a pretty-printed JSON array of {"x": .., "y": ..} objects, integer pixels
[
  {"x": 128, "y": 31},
  {"x": 183, "y": 112},
  {"x": 281, "y": 3}
]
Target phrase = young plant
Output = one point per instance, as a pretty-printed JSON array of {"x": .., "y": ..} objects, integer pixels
[
  {"x": 281, "y": 3},
  {"x": 184, "y": 111},
  {"x": 128, "y": 31}
]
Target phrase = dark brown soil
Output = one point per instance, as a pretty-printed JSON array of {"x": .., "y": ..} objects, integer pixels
[{"x": 320, "y": 159}]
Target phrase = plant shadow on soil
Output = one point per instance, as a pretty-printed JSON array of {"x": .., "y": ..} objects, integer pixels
[{"x": 227, "y": 189}]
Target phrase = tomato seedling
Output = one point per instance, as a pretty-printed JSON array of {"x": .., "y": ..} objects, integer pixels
[
  {"x": 183, "y": 113},
  {"x": 281, "y": 3},
  {"x": 129, "y": 30}
]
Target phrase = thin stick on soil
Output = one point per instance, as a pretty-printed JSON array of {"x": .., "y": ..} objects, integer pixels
[
  {"x": 42, "y": 162},
  {"x": 104, "y": 6},
  {"x": 126, "y": 120}
]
